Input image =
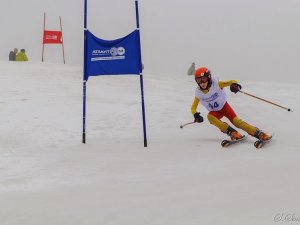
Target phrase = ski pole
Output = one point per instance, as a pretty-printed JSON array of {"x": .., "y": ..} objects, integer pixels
[
  {"x": 183, "y": 125},
  {"x": 288, "y": 109}
]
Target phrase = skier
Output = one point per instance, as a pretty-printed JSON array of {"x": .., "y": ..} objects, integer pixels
[{"x": 211, "y": 94}]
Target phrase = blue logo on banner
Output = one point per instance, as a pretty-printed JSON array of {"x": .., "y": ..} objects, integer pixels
[{"x": 114, "y": 57}]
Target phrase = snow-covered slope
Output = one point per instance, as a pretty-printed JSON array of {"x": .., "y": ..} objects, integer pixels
[{"x": 184, "y": 177}]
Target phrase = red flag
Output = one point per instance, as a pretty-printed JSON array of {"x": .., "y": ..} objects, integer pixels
[{"x": 52, "y": 37}]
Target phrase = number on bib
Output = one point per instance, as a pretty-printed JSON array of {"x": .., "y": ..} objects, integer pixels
[{"x": 214, "y": 105}]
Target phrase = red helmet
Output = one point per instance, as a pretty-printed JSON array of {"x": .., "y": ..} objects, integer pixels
[
  {"x": 202, "y": 75},
  {"x": 202, "y": 71}
]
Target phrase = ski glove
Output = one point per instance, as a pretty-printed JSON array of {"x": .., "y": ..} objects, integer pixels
[
  {"x": 235, "y": 87},
  {"x": 198, "y": 118}
]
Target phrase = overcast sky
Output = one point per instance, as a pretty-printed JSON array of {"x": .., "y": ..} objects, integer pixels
[{"x": 234, "y": 38}]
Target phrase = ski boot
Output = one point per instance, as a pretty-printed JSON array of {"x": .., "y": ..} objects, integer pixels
[
  {"x": 234, "y": 136},
  {"x": 262, "y": 137}
]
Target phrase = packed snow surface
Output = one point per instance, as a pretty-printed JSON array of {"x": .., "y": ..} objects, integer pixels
[{"x": 184, "y": 176}]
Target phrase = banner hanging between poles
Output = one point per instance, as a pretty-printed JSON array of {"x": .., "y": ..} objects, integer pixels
[
  {"x": 53, "y": 37},
  {"x": 113, "y": 57}
]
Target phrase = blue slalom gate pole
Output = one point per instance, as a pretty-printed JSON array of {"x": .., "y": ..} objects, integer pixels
[
  {"x": 141, "y": 75},
  {"x": 84, "y": 75}
]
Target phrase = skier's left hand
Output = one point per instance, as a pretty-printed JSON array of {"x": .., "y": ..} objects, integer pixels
[{"x": 235, "y": 87}]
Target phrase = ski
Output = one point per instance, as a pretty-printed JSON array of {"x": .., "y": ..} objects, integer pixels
[
  {"x": 226, "y": 143},
  {"x": 259, "y": 143}
]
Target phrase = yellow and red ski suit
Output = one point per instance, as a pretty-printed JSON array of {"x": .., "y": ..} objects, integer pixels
[{"x": 214, "y": 117}]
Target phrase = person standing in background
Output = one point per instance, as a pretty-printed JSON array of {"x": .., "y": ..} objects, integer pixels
[
  {"x": 21, "y": 56},
  {"x": 13, "y": 54},
  {"x": 192, "y": 69}
]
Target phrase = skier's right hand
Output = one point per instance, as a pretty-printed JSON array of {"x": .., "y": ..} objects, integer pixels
[{"x": 198, "y": 118}]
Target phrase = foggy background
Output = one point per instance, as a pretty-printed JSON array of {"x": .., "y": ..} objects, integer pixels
[{"x": 234, "y": 38}]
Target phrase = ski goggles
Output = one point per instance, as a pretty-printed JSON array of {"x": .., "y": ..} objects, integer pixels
[{"x": 202, "y": 79}]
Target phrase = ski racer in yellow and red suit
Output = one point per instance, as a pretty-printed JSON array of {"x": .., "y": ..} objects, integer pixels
[{"x": 211, "y": 94}]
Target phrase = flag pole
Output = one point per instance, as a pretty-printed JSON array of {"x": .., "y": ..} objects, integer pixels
[
  {"x": 84, "y": 74},
  {"x": 62, "y": 40},
  {"x": 141, "y": 75},
  {"x": 43, "y": 37}
]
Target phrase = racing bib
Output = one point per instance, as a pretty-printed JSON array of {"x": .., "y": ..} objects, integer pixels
[{"x": 215, "y": 99}]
